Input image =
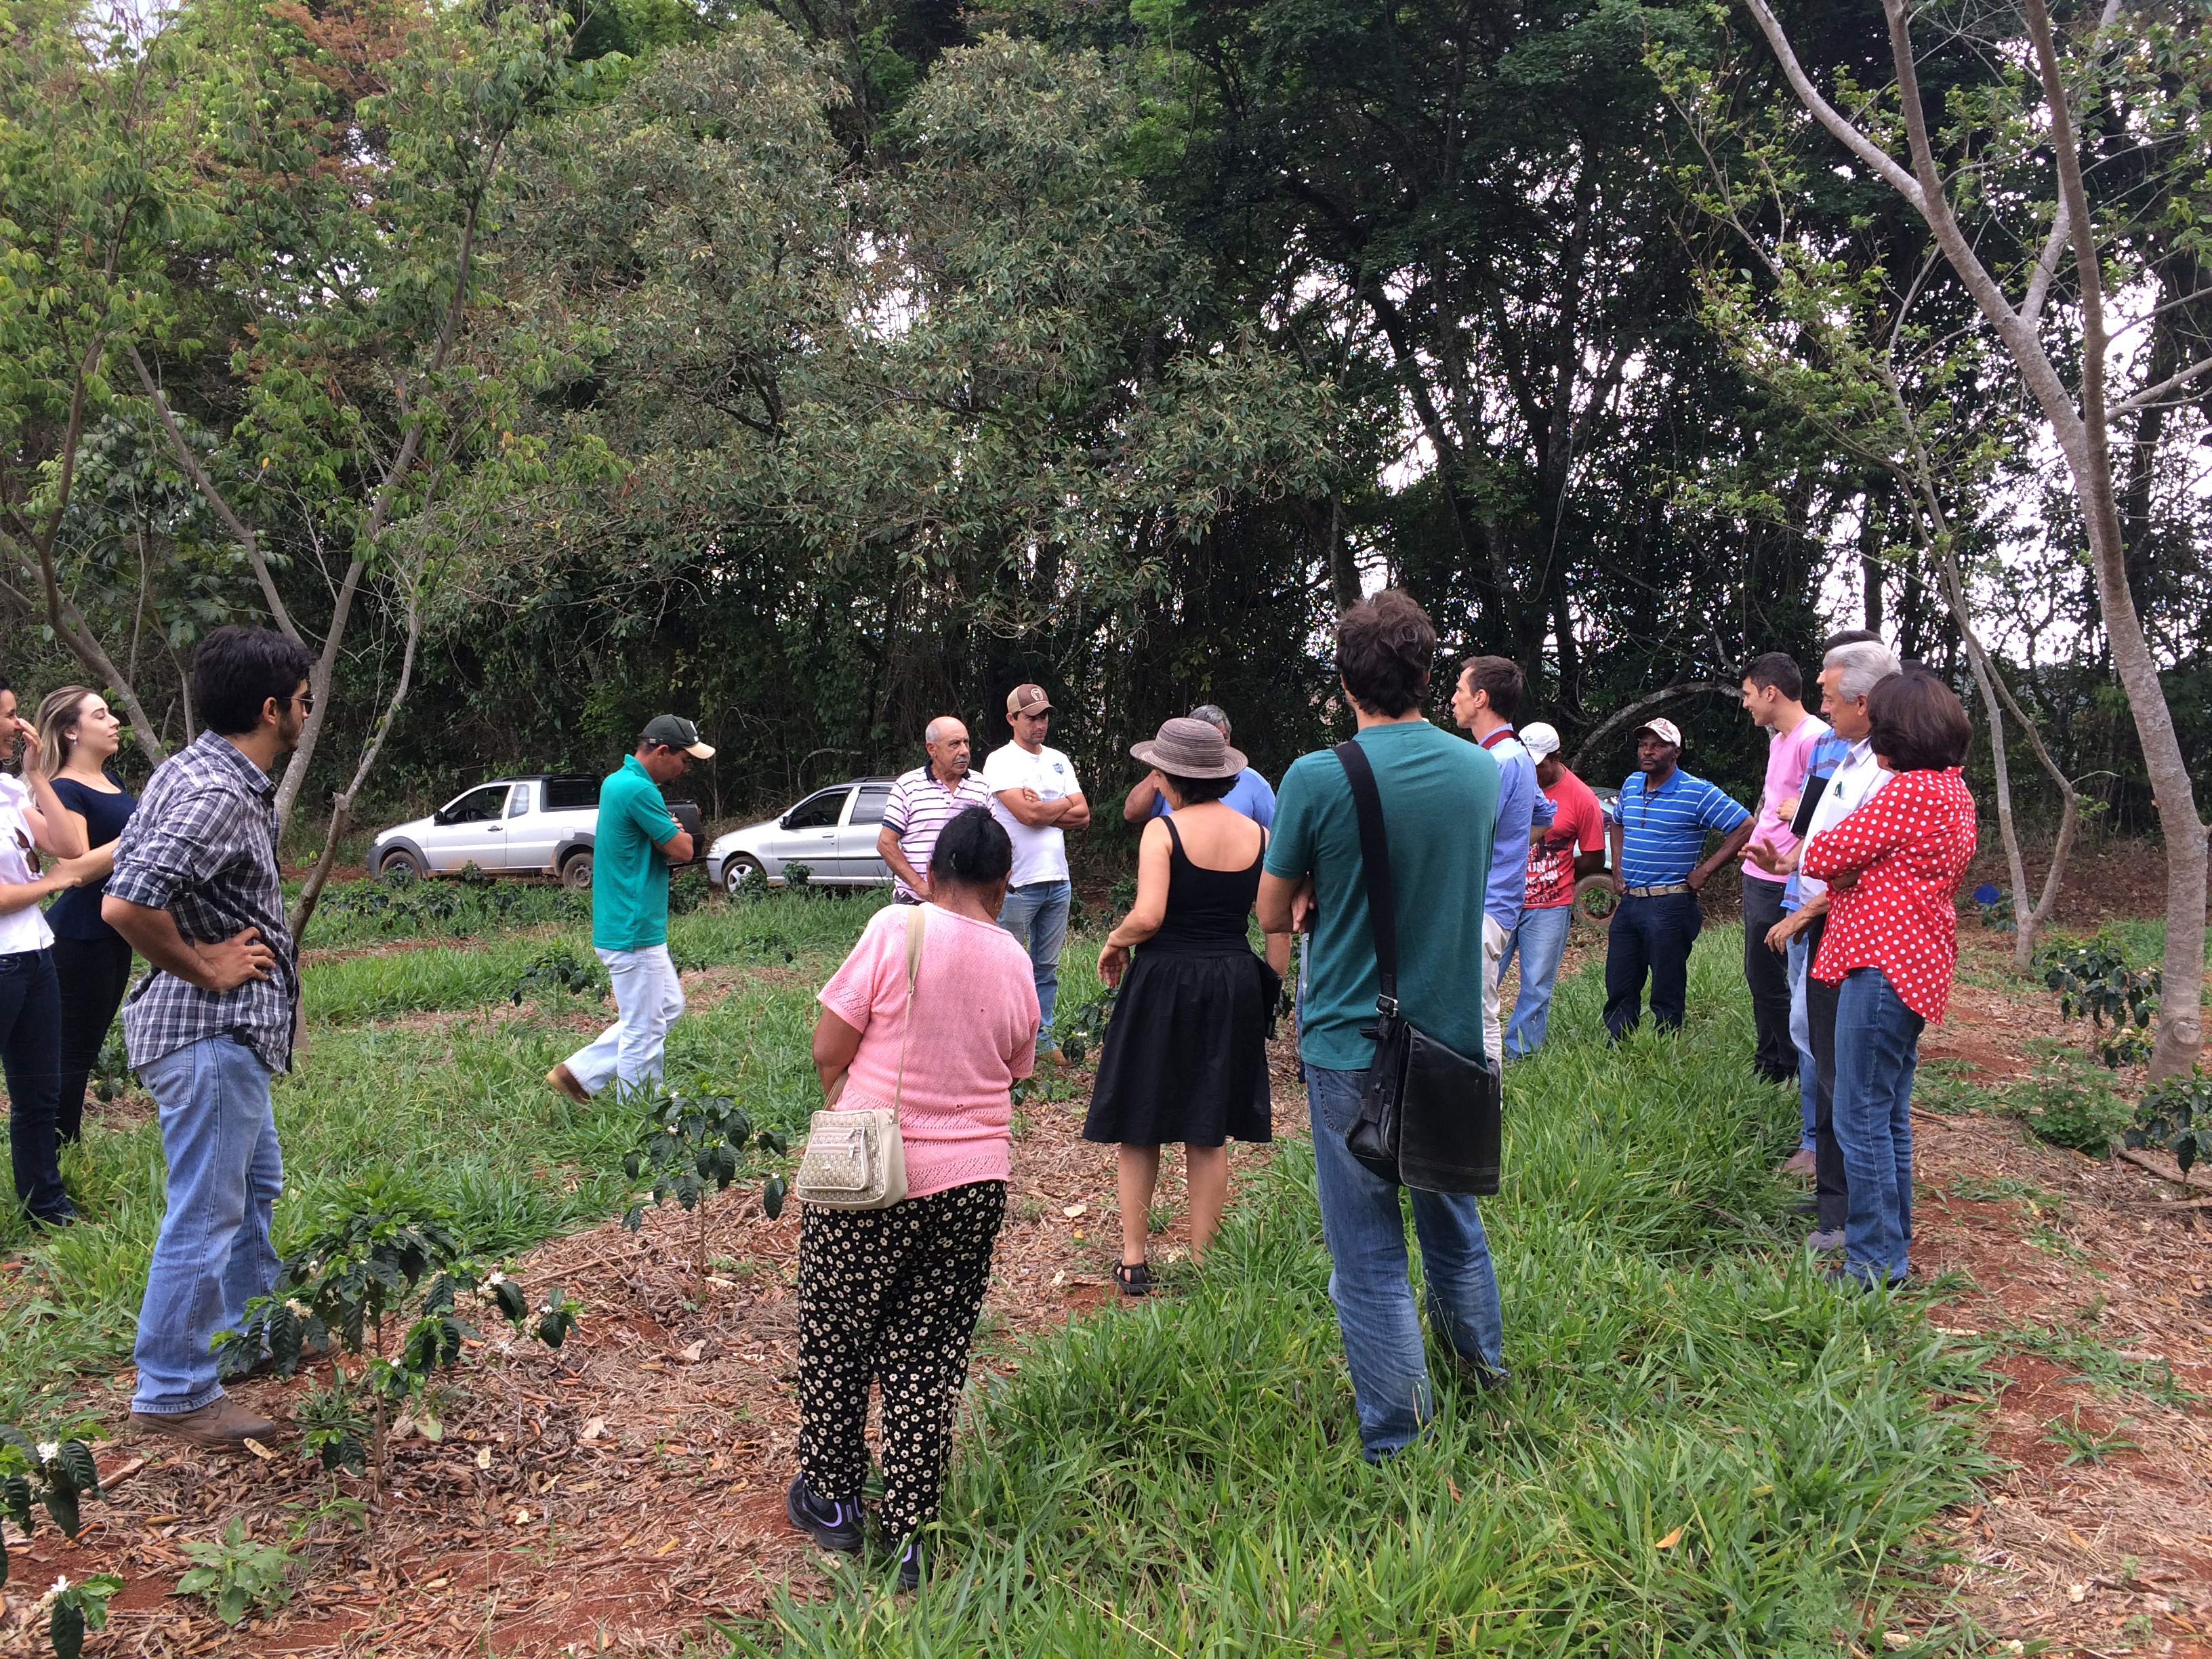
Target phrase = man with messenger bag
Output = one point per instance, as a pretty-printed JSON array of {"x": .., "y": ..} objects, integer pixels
[{"x": 1389, "y": 1028}]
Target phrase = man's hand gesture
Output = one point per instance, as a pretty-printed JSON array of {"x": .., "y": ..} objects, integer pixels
[{"x": 229, "y": 963}]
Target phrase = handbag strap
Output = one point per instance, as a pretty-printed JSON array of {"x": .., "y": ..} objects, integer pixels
[
  {"x": 1375, "y": 857},
  {"x": 916, "y": 926}
]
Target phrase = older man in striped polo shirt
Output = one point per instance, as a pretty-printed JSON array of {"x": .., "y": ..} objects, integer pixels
[
  {"x": 1659, "y": 828},
  {"x": 923, "y": 803}
]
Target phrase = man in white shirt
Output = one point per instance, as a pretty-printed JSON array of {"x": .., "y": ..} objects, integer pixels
[{"x": 1036, "y": 797}]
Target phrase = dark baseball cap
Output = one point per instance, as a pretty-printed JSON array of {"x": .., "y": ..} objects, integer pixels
[{"x": 674, "y": 732}]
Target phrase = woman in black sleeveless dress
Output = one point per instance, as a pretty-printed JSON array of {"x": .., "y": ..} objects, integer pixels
[{"x": 1185, "y": 1056}]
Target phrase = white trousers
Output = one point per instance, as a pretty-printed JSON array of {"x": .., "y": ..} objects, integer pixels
[
  {"x": 648, "y": 997},
  {"x": 1494, "y": 1032}
]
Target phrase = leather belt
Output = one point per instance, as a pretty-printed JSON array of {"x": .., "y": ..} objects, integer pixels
[{"x": 1667, "y": 890}]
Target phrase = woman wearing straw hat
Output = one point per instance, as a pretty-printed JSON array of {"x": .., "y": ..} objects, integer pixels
[{"x": 1185, "y": 1058}]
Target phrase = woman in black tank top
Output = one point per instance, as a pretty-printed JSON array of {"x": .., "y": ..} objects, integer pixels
[{"x": 1185, "y": 1055}]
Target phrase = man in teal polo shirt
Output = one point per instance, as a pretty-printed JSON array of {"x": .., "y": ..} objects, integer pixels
[
  {"x": 636, "y": 843},
  {"x": 1439, "y": 811}
]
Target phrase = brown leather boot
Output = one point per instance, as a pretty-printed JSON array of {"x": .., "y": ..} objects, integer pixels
[
  {"x": 565, "y": 1080},
  {"x": 221, "y": 1425}
]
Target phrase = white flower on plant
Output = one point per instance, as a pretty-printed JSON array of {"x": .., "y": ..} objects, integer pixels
[
  {"x": 54, "y": 1595},
  {"x": 49, "y": 1450},
  {"x": 298, "y": 1307},
  {"x": 495, "y": 1278}
]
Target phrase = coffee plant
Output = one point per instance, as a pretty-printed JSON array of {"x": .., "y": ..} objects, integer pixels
[
  {"x": 692, "y": 1146},
  {"x": 73, "y": 1609},
  {"x": 2175, "y": 1116},
  {"x": 383, "y": 1258},
  {"x": 796, "y": 876},
  {"x": 2093, "y": 979},
  {"x": 560, "y": 970},
  {"x": 1086, "y": 1026},
  {"x": 56, "y": 1476}
]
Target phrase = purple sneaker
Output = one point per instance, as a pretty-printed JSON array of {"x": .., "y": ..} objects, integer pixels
[{"x": 830, "y": 1524}]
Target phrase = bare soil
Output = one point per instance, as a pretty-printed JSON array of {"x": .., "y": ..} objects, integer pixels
[{"x": 617, "y": 1495}]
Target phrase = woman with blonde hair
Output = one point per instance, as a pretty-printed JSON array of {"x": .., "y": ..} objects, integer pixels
[{"x": 86, "y": 810}]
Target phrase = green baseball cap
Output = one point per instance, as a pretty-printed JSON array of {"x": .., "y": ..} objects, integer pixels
[{"x": 674, "y": 732}]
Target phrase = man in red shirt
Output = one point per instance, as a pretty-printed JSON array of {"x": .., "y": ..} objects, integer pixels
[{"x": 1560, "y": 855}]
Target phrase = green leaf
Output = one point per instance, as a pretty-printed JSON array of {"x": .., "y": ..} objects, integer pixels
[
  {"x": 772, "y": 1196},
  {"x": 65, "y": 1630},
  {"x": 84, "y": 1474},
  {"x": 61, "y": 1503}
]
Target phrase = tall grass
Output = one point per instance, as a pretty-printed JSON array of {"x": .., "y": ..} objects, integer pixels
[{"x": 1704, "y": 1449}]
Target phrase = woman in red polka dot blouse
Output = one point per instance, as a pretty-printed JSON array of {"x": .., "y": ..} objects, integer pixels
[{"x": 1893, "y": 867}]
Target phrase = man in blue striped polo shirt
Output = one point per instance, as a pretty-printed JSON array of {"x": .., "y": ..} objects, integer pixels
[{"x": 1659, "y": 828}]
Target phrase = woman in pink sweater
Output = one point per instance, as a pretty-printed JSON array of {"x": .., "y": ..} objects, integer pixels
[{"x": 890, "y": 1296}]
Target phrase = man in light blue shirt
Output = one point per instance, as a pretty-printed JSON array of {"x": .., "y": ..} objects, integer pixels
[
  {"x": 1251, "y": 794},
  {"x": 1489, "y": 692}
]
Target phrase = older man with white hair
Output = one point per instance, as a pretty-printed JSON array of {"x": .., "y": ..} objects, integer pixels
[
  {"x": 923, "y": 801},
  {"x": 1848, "y": 674}
]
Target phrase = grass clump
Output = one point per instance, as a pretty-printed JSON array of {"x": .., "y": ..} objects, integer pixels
[{"x": 1705, "y": 1447}]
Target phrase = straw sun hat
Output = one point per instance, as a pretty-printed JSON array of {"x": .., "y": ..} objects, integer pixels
[{"x": 1190, "y": 749}]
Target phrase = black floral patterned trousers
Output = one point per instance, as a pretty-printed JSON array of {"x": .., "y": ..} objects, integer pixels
[{"x": 889, "y": 1296}]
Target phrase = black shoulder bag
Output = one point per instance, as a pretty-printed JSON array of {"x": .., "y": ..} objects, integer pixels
[{"x": 1429, "y": 1117}]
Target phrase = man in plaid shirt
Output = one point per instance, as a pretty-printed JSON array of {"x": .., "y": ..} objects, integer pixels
[{"x": 195, "y": 891}]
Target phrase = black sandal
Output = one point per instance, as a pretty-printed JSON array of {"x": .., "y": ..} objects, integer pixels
[{"x": 1135, "y": 1278}]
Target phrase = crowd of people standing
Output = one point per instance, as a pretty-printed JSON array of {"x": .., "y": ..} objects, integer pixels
[{"x": 1851, "y": 858}]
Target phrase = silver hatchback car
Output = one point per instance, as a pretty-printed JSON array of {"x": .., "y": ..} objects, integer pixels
[{"x": 832, "y": 832}]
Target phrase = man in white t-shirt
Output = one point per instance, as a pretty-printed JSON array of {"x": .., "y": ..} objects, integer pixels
[{"x": 1036, "y": 796}]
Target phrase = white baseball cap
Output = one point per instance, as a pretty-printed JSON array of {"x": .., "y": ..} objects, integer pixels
[
  {"x": 1665, "y": 731},
  {"x": 1539, "y": 739}
]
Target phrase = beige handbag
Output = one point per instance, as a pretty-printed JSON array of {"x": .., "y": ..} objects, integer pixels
[{"x": 857, "y": 1160}]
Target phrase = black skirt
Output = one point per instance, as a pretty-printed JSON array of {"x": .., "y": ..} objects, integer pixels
[{"x": 1185, "y": 1058}]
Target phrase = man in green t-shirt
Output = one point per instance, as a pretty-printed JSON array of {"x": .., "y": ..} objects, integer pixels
[
  {"x": 635, "y": 842},
  {"x": 1439, "y": 806}
]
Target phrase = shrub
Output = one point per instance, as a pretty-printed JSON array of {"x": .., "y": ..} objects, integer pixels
[
  {"x": 2093, "y": 979},
  {"x": 689, "y": 1145},
  {"x": 2177, "y": 1115},
  {"x": 2068, "y": 1102}
]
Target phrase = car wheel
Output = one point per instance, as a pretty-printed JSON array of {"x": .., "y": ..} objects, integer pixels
[
  {"x": 576, "y": 872},
  {"x": 741, "y": 868},
  {"x": 400, "y": 859}
]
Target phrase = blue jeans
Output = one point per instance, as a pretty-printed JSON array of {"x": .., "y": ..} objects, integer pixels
[
  {"x": 1800, "y": 1035},
  {"x": 213, "y": 1256},
  {"x": 1877, "y": 1046},
  {"x": 1037, "y": 915},
  {"x": 30, "y": 1055},
  {"x": 1365, "y": 1231},
  {"x": 1541, "y": 939}
]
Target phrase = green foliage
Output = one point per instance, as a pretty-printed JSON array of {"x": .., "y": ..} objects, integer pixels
[
  {"x": 2068, "y": 1101},
  {"x": 796, "y": 875},
  {"x": 334, "y": 1429},
  {"x": 1077, "y": 1030},
  {"x": 383, "y": 1251},
  {"x": 564, "y": 972},
  {"x": 72, "y": 1609},
  {"x": 2094, "y": 979},
  {"x": 52, "y": 1475},
  {"x": 236, "y": 1576},
  {"x": 398, "y": 905},
  {"x": 2176, "y": 1115},
  {"x": 690, "y": 1145}
]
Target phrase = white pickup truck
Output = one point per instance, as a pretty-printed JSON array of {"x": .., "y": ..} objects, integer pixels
[{"x": 536, "y": 825}]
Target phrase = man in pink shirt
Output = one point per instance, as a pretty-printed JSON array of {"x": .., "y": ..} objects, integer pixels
[{"x": 1772, "y": 688}]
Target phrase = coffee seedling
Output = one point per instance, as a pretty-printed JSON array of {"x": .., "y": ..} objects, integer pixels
[
  {"x": 73, "y": 1609},
  {"x": 54, "y": 1476},
  {"x": 690, "y": 1145},
  {"x": 561, "y": 971},
  {"x": 2177, "y": 1116},
  {"x": 382, "y": 1255},
  {"x": 2094, "y": 979}
]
